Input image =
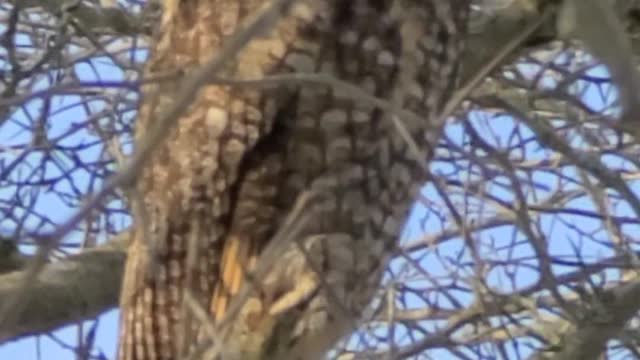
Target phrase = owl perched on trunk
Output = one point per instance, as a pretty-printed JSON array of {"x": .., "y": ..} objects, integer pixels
[{"x": 275, "y": 204}]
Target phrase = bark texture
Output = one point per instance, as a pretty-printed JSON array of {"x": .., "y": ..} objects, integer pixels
[{"x": 230, "y": 180}]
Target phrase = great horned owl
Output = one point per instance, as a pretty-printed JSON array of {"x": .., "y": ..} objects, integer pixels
[{"x": 319, "y": 169}]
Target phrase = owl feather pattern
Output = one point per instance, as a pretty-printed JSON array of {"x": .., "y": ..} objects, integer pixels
[{"x": 224, "y": 185}]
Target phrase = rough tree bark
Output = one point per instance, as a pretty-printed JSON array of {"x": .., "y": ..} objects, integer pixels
[{"x": 313, "y": 175}]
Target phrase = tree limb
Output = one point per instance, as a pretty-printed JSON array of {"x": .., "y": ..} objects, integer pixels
[
  {"x": 74, "y": 289},
  {"x": 609, "y": 312}
]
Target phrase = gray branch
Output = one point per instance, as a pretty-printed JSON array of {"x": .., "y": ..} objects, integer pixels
[{"x": 77, "y": 288}]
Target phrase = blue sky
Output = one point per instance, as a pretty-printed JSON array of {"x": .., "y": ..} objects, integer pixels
[{"x": 64, "y": 114}]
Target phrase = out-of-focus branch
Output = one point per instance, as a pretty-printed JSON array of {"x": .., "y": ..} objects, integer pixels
[
  {"x": 98, "y": 20},
  {"x": 76, "y": 288},
  {"x": 610, "y": 44},
  {"x": 608, "y": 313},
  {"x": 490, "y": 28},
  {"x": 10, "y": 257}
]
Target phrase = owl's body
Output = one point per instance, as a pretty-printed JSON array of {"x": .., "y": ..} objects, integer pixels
[{"x": 323, "y": 174}]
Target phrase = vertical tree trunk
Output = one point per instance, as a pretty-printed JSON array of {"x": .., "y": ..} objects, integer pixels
[{"x": 220, "y": 190}]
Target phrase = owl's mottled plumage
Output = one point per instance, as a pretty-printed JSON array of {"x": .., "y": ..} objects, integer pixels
[{"x": 219, "y": 189}]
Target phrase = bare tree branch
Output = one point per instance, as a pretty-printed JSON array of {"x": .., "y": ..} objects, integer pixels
[{"x": 76, "y": 288}]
